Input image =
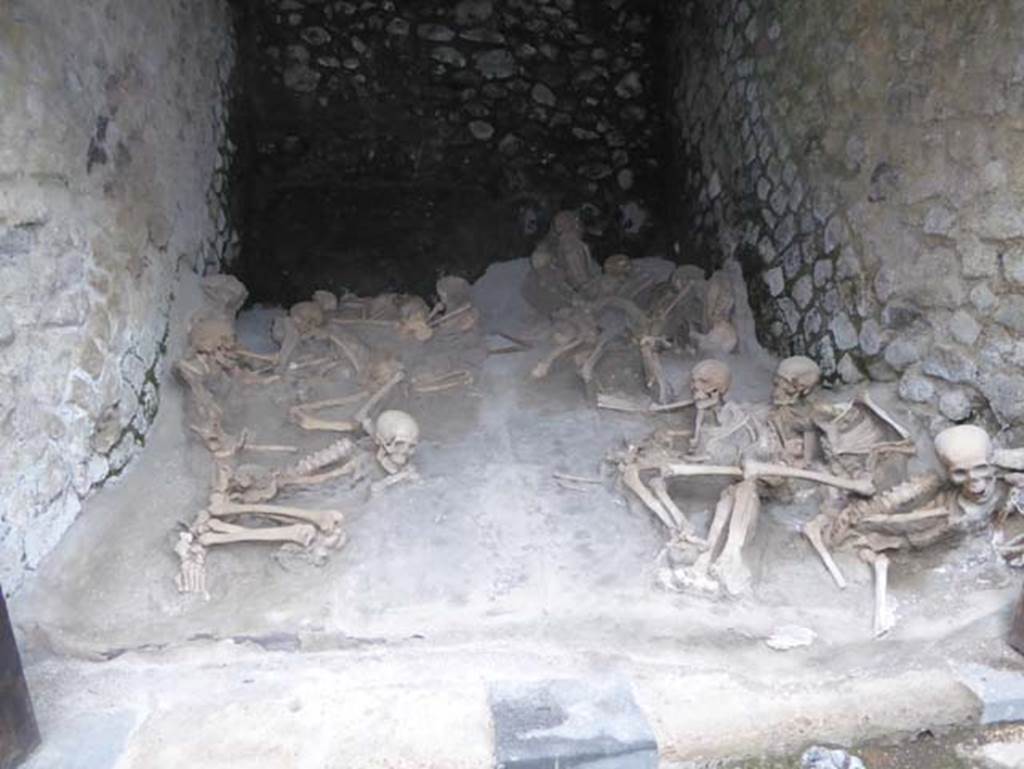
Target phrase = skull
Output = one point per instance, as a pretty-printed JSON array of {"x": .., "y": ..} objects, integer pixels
[
  {"x": 396, "y": 434},
  {"x": 618, "y": 266},
  {"x": 966, "y": 453},
  {"x": 795, "y": 378},
  {"x": 686, "y": 275},
  {"x": 212, "y": 335},
  {"x": 709, "y": 382},
  {"x": 326, "y": 300},
  {"x": 567, "y": 224},
  {"x": 452, "y": 291},
  {"x": 224, "y": 294},
  {"x": 414, "y": 314},
  {"x": 307, "y": 316}
]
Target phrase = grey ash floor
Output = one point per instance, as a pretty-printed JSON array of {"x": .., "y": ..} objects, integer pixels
[{"x": 489, "y": 552}]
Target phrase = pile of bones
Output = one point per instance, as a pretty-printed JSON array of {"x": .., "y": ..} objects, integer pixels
[{"x": 849, "y": 456}]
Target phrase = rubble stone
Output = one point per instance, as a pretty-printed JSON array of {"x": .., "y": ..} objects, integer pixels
[
  {"x": 916, "y": 388},
  {"x": 941, "y": 255},
  {"x": 956, "y": 405}
]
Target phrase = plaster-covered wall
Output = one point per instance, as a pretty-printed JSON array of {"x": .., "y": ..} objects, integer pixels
[
  {"x": 112, "y": 145},
  {"x": 390, "y": 141},
  {"x": 865, "y": 160}
]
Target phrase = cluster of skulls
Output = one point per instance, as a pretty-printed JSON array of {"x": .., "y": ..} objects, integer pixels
[{"x": 795, "y": 379}]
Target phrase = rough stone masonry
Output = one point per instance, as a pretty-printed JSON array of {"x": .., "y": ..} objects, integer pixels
[
  {"x": 391, "y": 141},
  {"x": 865, "y": 160},
  {"x": 113, "y": 148}
]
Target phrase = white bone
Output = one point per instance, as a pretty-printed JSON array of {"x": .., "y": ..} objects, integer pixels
[
  {"x": 225, "y": 534},
  {"x": 631, "y": 480},
  {"x": 730, "y": 567},
  {"x": 543, "y": 368},
  {"x": 441, "y": 382},
  {"x": 325, "y": 520},
  {"x": 191, "y": 577},
  {"x": 752, "y": 469},
  {"x": 884, "y": 619},
  {"x": 813, "y": 531}
]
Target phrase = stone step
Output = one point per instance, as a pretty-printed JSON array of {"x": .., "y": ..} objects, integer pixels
[{"x": 587, "y": 723}]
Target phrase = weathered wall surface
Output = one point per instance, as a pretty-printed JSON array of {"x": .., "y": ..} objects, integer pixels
[
  {"x": 865, "y": 160},
  {"x": 111, "y": 136},
  {"x": 391, "y": 141}
]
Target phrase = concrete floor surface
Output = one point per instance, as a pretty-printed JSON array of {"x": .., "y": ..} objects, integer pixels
[{"x": 486, "y": 569}]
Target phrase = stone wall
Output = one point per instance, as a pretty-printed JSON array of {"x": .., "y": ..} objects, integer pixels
[
  {"x": 389, "y": 142},
  {"x": 865, "y": 161},
  {"x": 112, "y": 147}
]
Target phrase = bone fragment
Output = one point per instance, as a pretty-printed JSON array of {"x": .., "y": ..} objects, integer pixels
[
  {"x": 729, "y": 567},
  {"x": 658, "y": 407},
  {"x": 813, "y": 531},
  {"x": 698, "y": 424},
  {"x": 363, "y": 415},
  {"x": 309, "y": 422},
  {"x": 191, "y": 577},
  {"x": 660, "y": 489},
  {"x": 751, "y": 469},
  {"x": 884, "y": 619},
  {"x": 440, "y": 321},
  {"x": 618, "y": 403},
  {"x": 631, "y": 479},
  {"x": 325, "y": 520},
  {"x": 355, "y": 351},
  {"x": 576, "y": 478},
  {"x": 543, "y": 368},
  {"x": 344, "y": 400},
  {"x": 452, "y": 379},
  {"x": 865, "y": 398},
  {"x": 222, "y": 533},
  {"x": 307, "y": 363},
  {"x": 587, "y": 369}
]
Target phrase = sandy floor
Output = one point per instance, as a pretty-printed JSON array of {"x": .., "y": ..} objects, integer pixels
[{"x": 488, "y": 548}]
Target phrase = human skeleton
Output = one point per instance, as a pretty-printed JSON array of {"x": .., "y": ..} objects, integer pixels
[
  {"x": 243, "y": 505},
  {"x": 923, "y": 511}
]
